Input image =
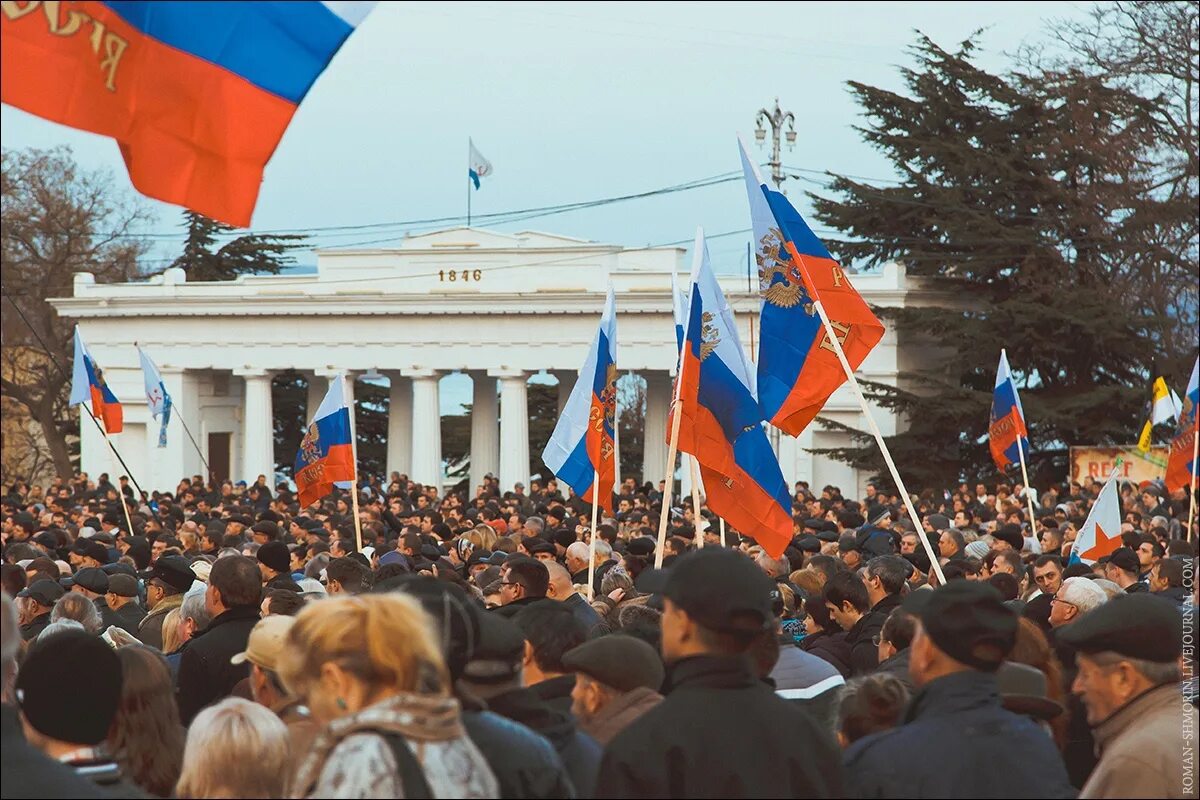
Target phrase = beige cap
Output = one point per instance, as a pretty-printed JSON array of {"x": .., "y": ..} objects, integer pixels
[{"x": 266, "y": 642}]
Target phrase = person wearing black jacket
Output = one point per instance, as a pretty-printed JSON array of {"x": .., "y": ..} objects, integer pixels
[
  {"x": 523, "y": 581},
  {"x": 716, "y": 711},
  {"x": 205, "y": 672}
]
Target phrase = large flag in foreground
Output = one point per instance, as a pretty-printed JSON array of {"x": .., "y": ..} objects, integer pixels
[
  {"x": 1101, "y": 532},
  {"x": 88, "y": 385},
  {"x": 326, "y": 455},
  {"x": 583, "y": 442},
  {"x": 720, "y": 422},
  {"x": 197, "y": 95},
  {"x": 1006, "y": 431},
  {"x": 798, "y": 368},
  {"x": 1181, "y": 462},
  {"x": 157, "y": 398}
]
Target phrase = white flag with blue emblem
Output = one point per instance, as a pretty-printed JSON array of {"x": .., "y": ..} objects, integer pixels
[
  {"x": 157, "y": 398},
  {"x": 479, "y": 167}
]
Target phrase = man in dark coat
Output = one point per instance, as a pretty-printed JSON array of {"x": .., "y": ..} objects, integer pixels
[
  {"x": 720, "y": 732},
  {"x": 45, "y": 594},
  {"x": 205, "y": 671},
  {"x": 964, "y": 632},
  {"x": 122, "y": 600}
]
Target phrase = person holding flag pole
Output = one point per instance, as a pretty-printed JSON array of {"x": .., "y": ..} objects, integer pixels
[
  {"x": 582, "y": 448},
  {"x": 89, "y": 386},
  {"x": 162, "y": 405},
  {"x": 1180, "y": 471},
  {"x": 1007, "y": 431},
  {"x": 327, "y": 456},
  {"x": 795, "y": 379}
]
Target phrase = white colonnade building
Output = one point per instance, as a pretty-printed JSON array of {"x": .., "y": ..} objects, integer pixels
[{"x": 499, "y": 307}]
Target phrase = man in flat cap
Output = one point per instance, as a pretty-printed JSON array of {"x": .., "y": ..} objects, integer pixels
[
  {"x": 964, "y": 633},
  {"x": 720, "y": 732},
  {"x": 1128, "y": 654},
  {"x": 121, "y": 598},
  {"x": 35, "y": 602},
  {"x": 169, "y": 578},
  {"x": 617, "y": 679},
  {"x": 92, "y": 583}
]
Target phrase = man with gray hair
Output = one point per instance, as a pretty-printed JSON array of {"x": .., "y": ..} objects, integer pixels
[
  {"x": 1077, "y": 596},
  {"x": 884, "y": 577},
  {"x": 1128, "y": 652},
  {"x": 774, "y": 567},
  {"x": 75, "y": 606}
]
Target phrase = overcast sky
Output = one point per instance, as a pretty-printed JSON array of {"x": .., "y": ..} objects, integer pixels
[{"x": 573, "y": 102}]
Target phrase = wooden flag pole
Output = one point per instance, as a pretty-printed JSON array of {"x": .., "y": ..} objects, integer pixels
[
  {"x": 831, "y": 334},
  {"x": 592, "y": 541},
  {"x": 722, "y": 520},
  {"x": 120, "y": 494},
  {"x": 1028, "y": 493},
  {"x": 358, "y": 542},
  {"x": 696, "y": 518},
  {"x": 1192, "y": 499},
  {"x": 669, "y": 478}
]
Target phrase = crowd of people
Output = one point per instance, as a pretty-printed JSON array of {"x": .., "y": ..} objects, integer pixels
[{"x": 221, "y": 641}]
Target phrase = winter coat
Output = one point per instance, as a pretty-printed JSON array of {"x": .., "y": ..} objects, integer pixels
[
  {"x": 31, "y": 629},
  {"x": 979, "y": 749},
  {"x": 897, "y": 667},
  {"x": 831, "y": 647},
  {"x": 1141, "y": 752},
  {"x": 579, "y": 752},
  {"x": 150, "y": 628},
  {"x": 810, "y": 683},
  {"x": 525, "y": 763},
  {"x": 720, "y": 732},
  {"x": 864, "y": 653},
  {"x": 29, "y": 773},
  {"x": 622, "y": 710},
  {"x": 205, "y": 674},
  {"x": 129, "y": 617}
]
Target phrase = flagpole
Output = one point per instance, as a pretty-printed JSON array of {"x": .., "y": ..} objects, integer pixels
[
  {"x": 358, "y": 542},
  {"x": 469, "y": 182},
  {"x": 120, "y": 494},
  {"x": 1192, "y": 499},
  {"x": 592, "y": 541},
  {"x": 722, "y": 520},
  {"x": 1025, "y": 477},
  {"x": 696, "y": 502},
  {"x": 199, "y": 452},
  {"x": 669, "y": 478},
  {"x": 836, "y": 343}
]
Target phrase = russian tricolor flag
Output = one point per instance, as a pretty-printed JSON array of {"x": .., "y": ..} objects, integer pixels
[
  {"x": 798, "y": 367},
  {"x": 1181, "y": 462},
  {"x": 197, "y": 94},
  {"x": 1006, "y": 431},
  {"x": 584, "y": 440},
  {"x": 326, "y": 455},
  {"x": 88, "y": 385},
  {"x": 720, "y": 421}
]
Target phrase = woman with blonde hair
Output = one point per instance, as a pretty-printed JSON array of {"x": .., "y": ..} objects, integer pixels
[
  {"x": 235, "y": 748},
  {"x": 370, "y": 669},
  {"x": 172, "y": 638}
]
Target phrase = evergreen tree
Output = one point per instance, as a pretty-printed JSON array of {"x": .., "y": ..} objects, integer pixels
[
  {"x": 1027, "y": 207},
  {"x": 246, "y": 255}
]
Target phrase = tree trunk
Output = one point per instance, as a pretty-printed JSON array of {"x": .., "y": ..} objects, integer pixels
[{"x": 56, "y": 438}]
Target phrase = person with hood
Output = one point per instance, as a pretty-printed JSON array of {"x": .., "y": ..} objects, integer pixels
[{"x": 964, "y": 633}]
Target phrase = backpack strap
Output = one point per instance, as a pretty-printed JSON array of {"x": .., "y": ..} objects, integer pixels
[{"x": 412, "y": 776}]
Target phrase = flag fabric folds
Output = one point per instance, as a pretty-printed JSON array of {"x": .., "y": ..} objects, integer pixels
[
  {"x": 326, "y": 454},
  {"x": 584, "y": 439},
  {"x": 1101, "y": 532},
  {"x": 679, "y": 302},
  {"x": 1006, "y": 431},
  {"x": 88, "y": 385},
  {"x": 478, "y": 166},
  {"x": 196, "y": 94},
  {"x": 1162, "y": 410},
  {"x": 157, "y": 398},
  {"x": 720, "y": 422},
  {"x": 1181, "y": 461},
  {"x": 798, "y": 368}
]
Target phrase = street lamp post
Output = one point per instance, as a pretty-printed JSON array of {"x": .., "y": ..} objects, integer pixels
[{"x": 777, "y": 119}]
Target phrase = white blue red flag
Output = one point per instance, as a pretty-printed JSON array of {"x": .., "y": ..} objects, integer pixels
[
  {"x": 88, "y": 385},
  {"x": 477, "y": 166},
  {"x": 1181, "y": 461},
  {"x": 326, "y": 455},
  {"x": 1101, "y": 533},
  {"x": 157, "y": 398},
  {"x": 583, "y": 442},
  {"x": 1006, "y": 431},
  {"x": 720, "y": 422},
  {"x": 798, "y": 367}
]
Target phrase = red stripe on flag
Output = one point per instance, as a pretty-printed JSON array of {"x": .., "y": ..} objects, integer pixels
[
  {"x": 111, "y": 414},
  {"x": 317, "y": 479}
]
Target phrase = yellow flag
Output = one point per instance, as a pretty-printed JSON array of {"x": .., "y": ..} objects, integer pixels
[{"x": 1144, "y": 440}]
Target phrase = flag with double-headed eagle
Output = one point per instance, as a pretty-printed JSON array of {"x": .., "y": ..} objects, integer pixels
[
  {"x": 583, "y": 445},
  {"x": 798, "y": 367},
  {"x": 1181, "y": 460},
  {"x": 326, "y": 454},
  {"x": 720, "y": 423}
]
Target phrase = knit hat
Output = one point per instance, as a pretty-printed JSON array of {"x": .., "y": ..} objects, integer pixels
[{"x": 53, "y": 699}]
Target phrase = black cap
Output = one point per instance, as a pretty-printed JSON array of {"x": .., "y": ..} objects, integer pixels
[
  {"x": 815, "y": 524},
  {"x": 622, "y": 662},
  {"x": 174, "y": 572},
  {"x": 939, "y": 522},
  {"x": 809, "y": 544},
  {"x": 123, "y": 585},
  {"x": 1137, "y": 625},
  {"x": 275, "y": 555},
  {"x": 641, "y": 546},
  {"x": 827, "y": 536},
  {"x": 497, "y": 655},
  {"x": 1023, "y": 691},
  {"x": 268, "y": 529},
  {"x": 25, "y": 520},
  {"x": 478, "y": 556},
  {"x": 53, "y": 699},
  {"x": 1125, "y": 559},
  {"x": 540, "y": 546},
  {"x": 848, "y": 542},
  {"x": 93, "y": 550},
  {"x": 46, "y": 539},
  {"x": 1011, "y": 533},
  {"x": 968, "y": 621},
  {"x": 93, "y": 579},
  {"x": 720, "y": 589},
  {"x": 45, "y": 591}
]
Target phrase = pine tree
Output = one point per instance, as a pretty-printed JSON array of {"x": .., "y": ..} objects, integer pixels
[
  {"x": 245, "y": 255},
  {"x": 1027, "y": 207}
]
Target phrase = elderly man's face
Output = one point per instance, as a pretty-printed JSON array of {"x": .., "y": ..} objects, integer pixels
[
  {"x": 1062, "y": 612},
  {"x": 1104, "y": 688}
]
